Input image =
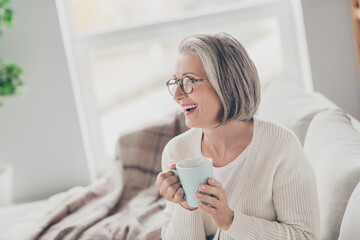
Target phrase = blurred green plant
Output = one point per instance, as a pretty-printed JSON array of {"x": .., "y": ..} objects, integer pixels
[
  {"x": 10, "y": 73},
  {"x": 6, "y": 14}
]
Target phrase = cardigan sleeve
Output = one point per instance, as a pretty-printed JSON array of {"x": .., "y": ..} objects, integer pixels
[
  {"x": 180, "y": 223},
  {"x": 296, "y": 204}
]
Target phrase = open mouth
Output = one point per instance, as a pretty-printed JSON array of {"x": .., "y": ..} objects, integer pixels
[{"x": 189, "y": 108}]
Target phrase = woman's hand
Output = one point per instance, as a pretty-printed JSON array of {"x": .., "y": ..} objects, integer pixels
[
  {"x": 217, "y": 205},
  {"x": 170, "y": 187}
]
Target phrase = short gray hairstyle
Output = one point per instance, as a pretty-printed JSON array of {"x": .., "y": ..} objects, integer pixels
[{"x": 230, "y": 71}]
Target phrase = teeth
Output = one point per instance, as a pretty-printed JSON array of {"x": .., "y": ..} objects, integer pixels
[{"x": 189, "y": 107}]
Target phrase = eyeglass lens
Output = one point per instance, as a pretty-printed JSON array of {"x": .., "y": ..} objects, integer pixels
[{"x": 187, "y": 85}]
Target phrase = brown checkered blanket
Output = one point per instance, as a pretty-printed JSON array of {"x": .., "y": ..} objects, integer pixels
[{"x": 123, "y": 204}]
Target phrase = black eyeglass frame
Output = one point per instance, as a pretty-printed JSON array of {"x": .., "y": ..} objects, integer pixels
[{"x": 181, "y": 80}]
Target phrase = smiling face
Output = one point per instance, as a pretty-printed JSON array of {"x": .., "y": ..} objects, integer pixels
[{"x": 202, "y": 107}]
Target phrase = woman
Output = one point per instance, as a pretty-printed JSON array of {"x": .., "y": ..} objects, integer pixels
[{"x": 263, "y": 186}]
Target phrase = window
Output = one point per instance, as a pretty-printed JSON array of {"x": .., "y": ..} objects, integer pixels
[
  {"x": 109, "y": 14},
  {"x": 129, "y": 80},
  {"x": 123, "y": 52}
]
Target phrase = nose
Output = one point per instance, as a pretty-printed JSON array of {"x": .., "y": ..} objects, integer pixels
[{"x": 179, "y": 94}]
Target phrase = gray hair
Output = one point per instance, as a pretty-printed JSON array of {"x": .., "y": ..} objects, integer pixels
[{"x": 230, "y": 71}]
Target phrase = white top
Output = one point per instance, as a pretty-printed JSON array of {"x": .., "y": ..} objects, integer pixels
[
  {"x": 229, "y": 174},
  {"x": 275, "y": 195}
]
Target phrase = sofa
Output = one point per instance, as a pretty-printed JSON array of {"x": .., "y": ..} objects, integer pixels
[
  {"x": 329, "y": 135},
  {"x": 331, "y": 141}
]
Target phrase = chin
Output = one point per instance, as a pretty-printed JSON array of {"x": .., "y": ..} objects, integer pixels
[{"x": 190, "y": 123}]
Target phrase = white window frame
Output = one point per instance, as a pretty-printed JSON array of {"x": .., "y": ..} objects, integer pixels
[{"x": 77, "y": 46}]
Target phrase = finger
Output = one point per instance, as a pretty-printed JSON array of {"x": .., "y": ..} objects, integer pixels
[
  {"x": 167, "y": 183},
  {"x": 214, "y": 202},
  {"x": 214, "y": 182},
  {"x": 172, "y": 189},
  {"x": 159, "y": 180},
  {"x": 179, "y": 195},
  {"x": 206, "y": 208},
  {"x": 161, "y": 177},
  {"x": 215, "y": 191},
  {"x": 172, "y": 166}
]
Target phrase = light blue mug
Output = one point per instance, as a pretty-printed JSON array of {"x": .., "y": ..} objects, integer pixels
[{"x": 193, "y": 172}]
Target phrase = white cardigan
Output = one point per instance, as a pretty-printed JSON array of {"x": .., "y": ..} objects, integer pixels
[{"x": 275, "y": 198}]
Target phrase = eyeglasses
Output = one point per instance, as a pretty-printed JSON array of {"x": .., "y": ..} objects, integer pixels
[{"x": 186, "y": 84}]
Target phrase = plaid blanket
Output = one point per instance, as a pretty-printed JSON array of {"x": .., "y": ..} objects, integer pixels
[{"x": 123, "y": 204}]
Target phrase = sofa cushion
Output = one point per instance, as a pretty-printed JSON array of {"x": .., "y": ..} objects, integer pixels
[
  {"x": 333, "y": 147},
  {"x": 350, "y": 226},
  {"x": 286, "y": 102},
  {"x": 140, "y": 153}
]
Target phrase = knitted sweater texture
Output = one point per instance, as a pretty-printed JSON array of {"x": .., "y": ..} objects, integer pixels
[{"x": 275, "y": 196}]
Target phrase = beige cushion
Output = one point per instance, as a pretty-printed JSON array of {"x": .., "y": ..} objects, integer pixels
[
  {"x": 350, "y": 226},
  {"x": 287, "y": 103},
  {"x": 333, "y": 147}
]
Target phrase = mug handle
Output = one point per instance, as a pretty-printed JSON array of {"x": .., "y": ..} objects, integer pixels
[{"x": 176, "y": 172}]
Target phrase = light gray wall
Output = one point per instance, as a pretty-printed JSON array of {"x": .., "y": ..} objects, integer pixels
[
  {"x": 331, "y": 43},
  {"x": 39, "y": 131}
]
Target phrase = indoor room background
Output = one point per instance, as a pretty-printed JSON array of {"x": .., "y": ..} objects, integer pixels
[{"x": 96, "y": 69}]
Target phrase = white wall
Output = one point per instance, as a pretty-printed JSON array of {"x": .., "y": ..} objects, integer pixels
[
  {"x": 39, "y": 131},
  {"x": 331, "y": 43}
]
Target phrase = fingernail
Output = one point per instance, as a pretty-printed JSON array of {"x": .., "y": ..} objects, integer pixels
[
  {"x": 199, "y": 194},
  {"x": 212, "y": 180},
  {"x": 202, "y": 187}
]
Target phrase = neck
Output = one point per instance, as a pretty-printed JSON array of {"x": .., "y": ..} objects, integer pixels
[{"x": 228, "y": 138}]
